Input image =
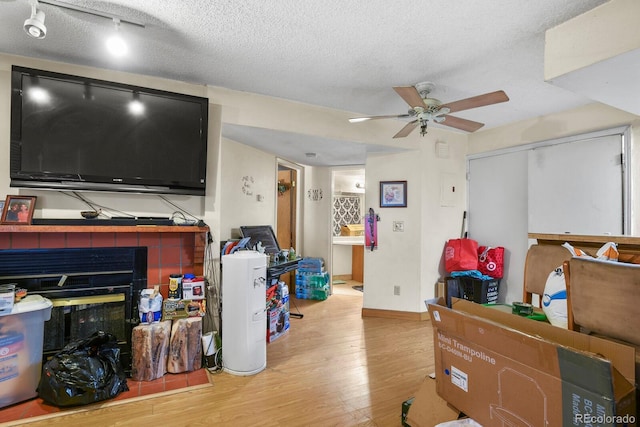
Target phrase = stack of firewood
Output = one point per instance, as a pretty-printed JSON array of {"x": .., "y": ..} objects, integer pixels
[{"x": 168, "y": 346}]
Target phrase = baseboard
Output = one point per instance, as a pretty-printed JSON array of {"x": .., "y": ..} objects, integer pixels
[
  {"x": 394, "y": 314},
  {"x": 342, "y": 277}
]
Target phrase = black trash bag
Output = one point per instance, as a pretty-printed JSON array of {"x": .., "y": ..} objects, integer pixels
[{"x": 85, "y": 371}]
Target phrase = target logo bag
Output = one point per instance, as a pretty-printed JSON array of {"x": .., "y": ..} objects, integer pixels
[{"x": 491, "y": 261}]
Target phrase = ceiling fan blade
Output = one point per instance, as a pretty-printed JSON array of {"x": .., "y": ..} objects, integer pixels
[
  {"x": 477, "y": 101},
  {"x": 406, "y": 130},
  {"x": 410, "y": 95},
  {"x": 462, "y": 124},
  {"x": 364, "y": 119}
]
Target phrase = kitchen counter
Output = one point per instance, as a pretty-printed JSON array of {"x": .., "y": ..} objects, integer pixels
[{"x": 348, "y": 240}]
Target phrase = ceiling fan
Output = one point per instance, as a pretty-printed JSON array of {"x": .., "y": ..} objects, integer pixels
[{"x": 424, "y": 109}]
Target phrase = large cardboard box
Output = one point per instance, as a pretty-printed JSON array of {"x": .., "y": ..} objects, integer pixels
[{"x": 503, "y": 369}]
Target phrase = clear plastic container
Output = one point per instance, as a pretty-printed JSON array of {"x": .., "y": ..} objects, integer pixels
[{"x": 21, "y": 341}]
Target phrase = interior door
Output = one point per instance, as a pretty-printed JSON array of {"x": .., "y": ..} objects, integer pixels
[{"x": 286, "y": 214}]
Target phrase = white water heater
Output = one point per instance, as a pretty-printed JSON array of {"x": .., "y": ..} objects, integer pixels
[{"x": 244, "y": 320}]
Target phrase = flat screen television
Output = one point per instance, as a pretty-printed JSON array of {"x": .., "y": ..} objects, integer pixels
[{"x": 77, "y": 133}]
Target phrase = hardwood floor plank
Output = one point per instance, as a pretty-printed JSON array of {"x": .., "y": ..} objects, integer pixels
[{"x": 333, "y": 368}]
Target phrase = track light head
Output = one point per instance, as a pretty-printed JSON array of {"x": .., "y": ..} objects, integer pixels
[{"x": 34, "y": 26}]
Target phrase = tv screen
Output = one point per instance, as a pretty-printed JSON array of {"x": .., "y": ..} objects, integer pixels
[{"x": 77, "y": 133}]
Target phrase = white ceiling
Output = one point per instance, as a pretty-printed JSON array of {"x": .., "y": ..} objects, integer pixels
[{"x": 331, "y": 53}]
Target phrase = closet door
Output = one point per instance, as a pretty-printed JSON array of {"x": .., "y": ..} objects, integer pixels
[
  {"x": 498, "y": 213},
  {"x": 577, "y": 187},
  {"x": 574, "y": 185}
]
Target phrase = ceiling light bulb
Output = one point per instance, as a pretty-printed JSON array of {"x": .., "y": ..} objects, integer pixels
[
  {"x": 136, "y": 107},
  {"x": 115, "y": 43},
  {"x": 34, "y": 26},
  {"x": 39, "y": 95}
]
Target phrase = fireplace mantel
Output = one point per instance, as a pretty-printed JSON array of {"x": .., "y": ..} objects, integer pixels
[{"x": 102, "y": 229}]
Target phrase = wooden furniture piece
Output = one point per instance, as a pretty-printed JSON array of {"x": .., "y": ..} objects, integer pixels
[
  {"x": 548, "y": 254},
  {"x": 357, "y": 263},
  {"x": 604, "y": 297},
  {"x": 541, "y": 260},
  {"x": 628, "y": 246}
]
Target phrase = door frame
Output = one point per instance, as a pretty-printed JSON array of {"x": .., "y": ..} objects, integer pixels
[{"x": 298, "y": 207}]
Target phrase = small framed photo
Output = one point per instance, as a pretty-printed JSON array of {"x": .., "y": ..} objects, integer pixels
[
  {"x": 18, "y": 210},
  {"x": 393, "y": 194}
]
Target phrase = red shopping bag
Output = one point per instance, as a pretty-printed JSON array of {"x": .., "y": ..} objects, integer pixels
[
  {"x": 461, "y": 255},
  {"x": 491, "y": 261}
]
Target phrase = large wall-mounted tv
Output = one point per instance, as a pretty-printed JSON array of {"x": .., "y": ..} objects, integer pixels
[{"x": 77, "y": 133}]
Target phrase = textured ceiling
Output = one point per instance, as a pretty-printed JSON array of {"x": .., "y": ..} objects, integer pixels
[{"x": 336, "y": 54}]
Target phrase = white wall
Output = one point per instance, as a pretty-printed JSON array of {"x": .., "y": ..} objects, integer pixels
[
  {"x": 246, "y": 174},
  {"x": 412, "y": 259},
  {"x": 316, "y": 217}
]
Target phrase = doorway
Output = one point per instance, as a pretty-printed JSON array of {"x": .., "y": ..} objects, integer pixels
[
  {"x": 287, "y": 213},
  {"x": 347, "y": 249}
]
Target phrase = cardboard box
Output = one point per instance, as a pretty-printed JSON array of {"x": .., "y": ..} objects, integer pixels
[
  {"x": 428, "y": 409},
  {"x": 193, "y": 289},
  {"x": 352, "y": 230},
  {"x": 278, "y": 318},
  {"x": 503, "y": 369},
  {"x": 182, "y": 308}
]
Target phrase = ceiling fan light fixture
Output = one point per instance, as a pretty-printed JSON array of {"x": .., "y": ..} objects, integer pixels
[{"x": 34, "y": 25}]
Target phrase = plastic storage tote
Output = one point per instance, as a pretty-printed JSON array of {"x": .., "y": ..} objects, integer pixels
[{"x": 21, "y": 341}]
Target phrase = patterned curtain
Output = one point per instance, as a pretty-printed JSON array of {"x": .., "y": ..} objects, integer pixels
[{"x": 346, "y": 210}]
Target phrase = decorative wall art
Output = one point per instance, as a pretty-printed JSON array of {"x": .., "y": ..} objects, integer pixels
[
  {"x": 393, "y": 194},
  {"x": 315, "y": 195}
]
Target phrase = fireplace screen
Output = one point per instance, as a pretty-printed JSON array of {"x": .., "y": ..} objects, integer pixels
[
  {"x": 92, "y": 289},
  {"x": 78, "y": 318}
]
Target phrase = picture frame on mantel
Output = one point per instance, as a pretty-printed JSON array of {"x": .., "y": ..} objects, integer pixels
[
  {"x": 393, "y": 194},
  {"x": 18, "y": 210}
]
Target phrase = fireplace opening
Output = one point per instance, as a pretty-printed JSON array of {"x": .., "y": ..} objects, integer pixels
[{"x": 91, "y": 289}]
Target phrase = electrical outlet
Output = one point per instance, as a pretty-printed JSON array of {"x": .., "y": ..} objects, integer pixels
[
  {"x": 398, "y": 226},
  {"x": 396, "y": 290}
]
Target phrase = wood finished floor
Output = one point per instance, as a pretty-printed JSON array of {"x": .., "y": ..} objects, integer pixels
[{"x": 333, "y": 368}]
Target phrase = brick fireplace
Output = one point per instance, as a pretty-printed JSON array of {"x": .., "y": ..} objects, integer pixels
[{"x": 167, "y": 249}]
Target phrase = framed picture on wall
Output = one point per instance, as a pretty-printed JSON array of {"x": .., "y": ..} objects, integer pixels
[
  {"x": 393, "y": 194},
  {"x": 18, "y": 210}
]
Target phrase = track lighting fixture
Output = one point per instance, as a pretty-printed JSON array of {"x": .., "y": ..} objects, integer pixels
[
  {"x": 115, "y": 43},
  {"x": 34, "y": 26}
]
